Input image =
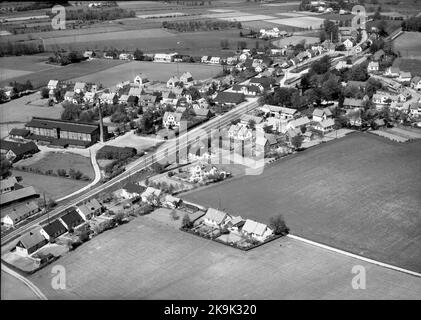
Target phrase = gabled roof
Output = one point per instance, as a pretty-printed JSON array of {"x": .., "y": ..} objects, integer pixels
[
  {"x": 135, "y": 91},
  {"x": 20, "y": 210},
  {"x": 353, "y": 102},
  {"x": 202, "y": 112},
  {"x": 320, "y": 112},
  {"x": 18, "y": 194},
  {"x": 8, "y": 183},
  {"x": 18, "y": 148},
  {"x": 177, "y": 116},
  {"x": 416, "y": 79},
  {"x": 216, "y": 215},
  {"x": 327, "y": 123},
  {"x": 151, "y": 191},
  {"x": 405, "y": 74},
  {"x": 90, "y": 206},
  {"x": 300, "y": 121},
  {"x": 31, "y": 239},
  {"x": 55, "y": 228},
  {"x": 248, "y": 117},
  {"x": 69, "y": 94},
  {"x": 80, "y": 85},
  {"x": 53, "y": 83},
  {"x": 254, "y": 227},
  {"x": 71, "y": 217}
]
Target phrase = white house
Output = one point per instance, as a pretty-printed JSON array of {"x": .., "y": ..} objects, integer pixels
[
  {"x": 215, "y": 60},
  {"x": 348, "y": 44},
  {"x": 298, "y": 123},
  {"x": 89, "y": 209},
  {"x": 392, "y": 72},
  {"x": 216, "y": 218},
  {"x": 79, "y": 87},
  {"x": 404, "y": 76},
  {"x": 29, "y": 243},
  {"x": 89, "y": 97},
  {"x": 135, "y": 91},
  {"x": 140, "y": 81},
  {"x": 70, "y": 96},
  {"x": 164, "y": 57},
  {"x": 130, "y": 191},
  {"x": 125, "y": 56},
  {"x": 326, "y": 125},
  {"x": 256, "y": 230},
  {"x": 108, "y": 98},
  {"x": 151, "y": 195},
  {"x": 172, "y": 82},
  {"x": 8, "y": 184},
  {"x": 415, "y": 109},
  {"x": 373, "y": 66},
  {"x": 186, "y": 77},
  {"x": 52, "y": 84},
  {"x": 321, "y": 114},
  {"x": 15, "y": 214},
  {"x": 172, "y": 119},
  {"x": 416, "y": 83}
]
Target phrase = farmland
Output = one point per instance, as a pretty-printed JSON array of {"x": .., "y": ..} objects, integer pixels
[
  {"x": 153, "y": 71},
  {"x": 409, "y": 46},
  {"x": 294, "y": 40},
  {"x": 160, "y": 262},
  {"x": 359, "y": 193},
  {"x": 409, "y": 65},
  {"x": 41, "y": 78}
]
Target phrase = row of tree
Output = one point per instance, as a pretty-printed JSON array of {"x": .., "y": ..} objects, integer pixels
[
  {"x": 101, "y": 14},
  {"x": 21, "y": 48},
  {"x": 200, "y": 25}
]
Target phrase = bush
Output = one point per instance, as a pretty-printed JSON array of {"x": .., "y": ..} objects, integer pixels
[
  {"x": 45, "y": 93},
  {"x": 117, "y": 153},
  {"x": 84, "y": 236},
  {"x": 186, "y": 223},
  {"x": 278, "y": 225}
]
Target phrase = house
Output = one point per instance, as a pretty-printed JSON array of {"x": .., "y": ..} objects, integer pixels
[
  {"x": 229, "y": 98},
  {"x": 171, "y": 202},
  {"x": 416, "y": 83},
  {"x": 135, "y": 91},
  {"x": 123, "y": 99},
  {"x": 351, "y": 103},
  {"x": 203, "y": 113},
  {"x": 138, "y": 80},
  {"x": 19, "y": 134},
  {"x": 378, "y": 55},
  {"x": 279, "y": 112},
  {"x": 342, "y": 65},
  {"x": 404, "y": 76},
  {"x": 404, "y": 96},
  {"x": 235, "y": 224},
  {"x": 8, "y": 184},
  {"x": 358, "y": 49},
  {"x": 90, "y": 209},
  {"x": 379, "y": 123},
  {"x": 255, "y": 230},
  {"x": 53, "y": 230},
  {"x": 89, "y": 54},
  {"x": 201, "y": 171},
  {"x": 72, "y": 219},
  {"x": 163, "y": 57},
  {"x": 29, "y": 243},
  {"x": 89, "y": 97},
  {"x": 71, "y": 97},
  {"x": 325, "y": 125},
  {"x": 215, "y": 60},
  {"x": 321, "y": 114},
  {"x": 186, "y": 77},
  {"x": 53, "y": 84},
  {"x": 172, "y": 119},
  {"x": 264, "y": 83},
  {"x": 392, "y": 72},
  {"x": 298, "y": 123},
  {"x": 147, "y": 100},
  {"x": 381, "y": 97},
  {"x": 151, "y": 195},
  {"x": 373, "y": 66},
  {"x": 172, "y": 82},
  {"x": 415, "y": 109},
  {"x": 15, "y": 151},
  {"x": 19, "y": 194},
  {"x": 131, "y": 191},
  {"x": 14, "y": 214},
  {"x": 80, "y": 87},
  {"x": 108, "y": 98},
  {"x": 125, "y": 56},
  {"x": 215, "y": 218},
  {"x": 348, "y": 44}
]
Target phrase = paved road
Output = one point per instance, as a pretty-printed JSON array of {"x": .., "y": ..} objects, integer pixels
[{"x": 142, "y": 163}]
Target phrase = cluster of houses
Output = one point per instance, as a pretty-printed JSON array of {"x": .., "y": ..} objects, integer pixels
[
  {"x": 272, "y": 33},
  {"x": 73, "y": 219}
]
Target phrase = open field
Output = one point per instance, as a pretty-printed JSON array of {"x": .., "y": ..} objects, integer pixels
[
  {"x": 161, "y": 262},
  {"x": 134, "y": 141},
  {"x": 53, "y": 187},
  {"x": 359, "y": 193},
  {"x": 410, "y": 65},
  {"x": 152, "y": 70},
  {"x": 14, "y": 289},
  {"x": 41, "y": 78},
  {"x": 300, "y": 22},
  {"x": 294, "y": 40},
  {"x": 53, "y": 160},
  {"x": 409, "y": 45}
]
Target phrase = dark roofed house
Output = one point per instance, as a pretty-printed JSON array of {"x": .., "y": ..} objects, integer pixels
[
  {"x": 12, "y": 215},
  {"x": 18, "y": 195},
  {"x": 73, "y": 133},
  {"x": 353, "y": 103},
  {"x": 203, "y": 113},
  {"x": 53, "y": 230},
  {"x": 72, "y": 219},
  {"x": 17, "y": 133},
  {"x": 30, "y": 242},
  {"x": 229, "y": 98},
  {"x": 14, "y": 151}
]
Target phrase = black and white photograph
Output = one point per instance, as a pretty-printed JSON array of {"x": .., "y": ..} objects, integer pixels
[{"x": 212, "y": 152}]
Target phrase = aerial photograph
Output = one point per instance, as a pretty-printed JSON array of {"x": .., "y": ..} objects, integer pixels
[{"x": 213, "y": 150}]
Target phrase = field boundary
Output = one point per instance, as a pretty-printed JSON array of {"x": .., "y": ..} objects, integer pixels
[{"x": 355, "y": 256}]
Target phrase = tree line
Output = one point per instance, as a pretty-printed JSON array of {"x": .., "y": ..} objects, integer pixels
[
  {"x": 18, "y": 48},
  {"x": 200, "y": 25}
]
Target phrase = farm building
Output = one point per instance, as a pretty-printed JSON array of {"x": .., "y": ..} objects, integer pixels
[
  {"x": 18, "y": 195},
  {"x": 61, "y": 132},
  {"x": 15, "y": 214},
  {"x": 29, "y": 243},
  {"x": 229, "y": 98},
  {"x": 15, "y": 151},
  {"x": 8, "y": 184}
]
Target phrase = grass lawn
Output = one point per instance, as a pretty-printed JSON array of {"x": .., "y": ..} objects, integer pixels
[
  {"x": 409, "y": 45},
  {"x": 152, "y": 70},
  {"x": 409, "y": 65},
  {"x": 52, "y": 160},
  {"x": 14, "y": 289},
  {"x": 359, "y": 193},
  {"x": 41, "y": 78},
  {"x": 53, "y": 187},
  {"x": 146, "y": 259}
]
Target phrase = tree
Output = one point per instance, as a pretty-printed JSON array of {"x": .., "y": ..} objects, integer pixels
[
  {"x": 278, "y": 225},
  {"x": 5, "y": 167},
  {"x": 45, "y": 93},
  {"x": 186, "y": 223},
  {"x": 297, "y": 141},
  {"x": 84, "y": 236},
  {"x": 119, "y": 217},
  {"x": 138, "y": 55}
]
